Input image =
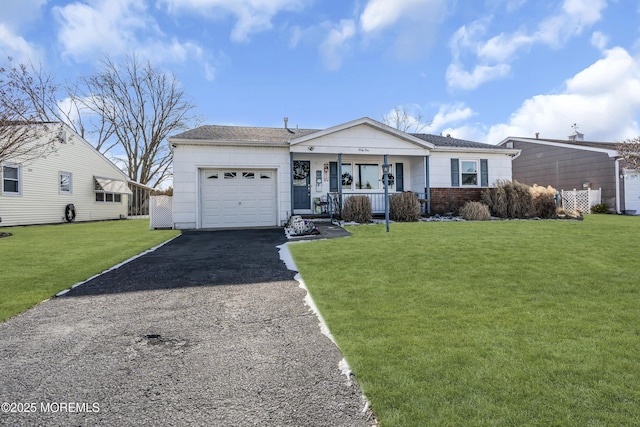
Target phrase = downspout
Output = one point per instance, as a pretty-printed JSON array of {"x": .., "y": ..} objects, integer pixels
[
  {"x": 617, "y": 168},
  {"x": 427, "y": 189},
  {"x": 291, "y": 179}
]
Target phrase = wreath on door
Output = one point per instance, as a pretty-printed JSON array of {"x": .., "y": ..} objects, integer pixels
[
  {"x": 300, "y": 170},
  {"x": 347, "y": 179}
]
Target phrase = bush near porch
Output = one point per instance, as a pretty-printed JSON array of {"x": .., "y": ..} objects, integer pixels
[
  {"x": 486, "y": 323},
  {"x": 40, "y": 261}
]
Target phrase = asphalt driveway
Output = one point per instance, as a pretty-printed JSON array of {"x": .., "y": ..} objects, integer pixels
[{"x": 210, "y": 329}]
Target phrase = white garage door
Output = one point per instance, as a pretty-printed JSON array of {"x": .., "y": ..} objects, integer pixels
[{"x": 238, "y": 198}]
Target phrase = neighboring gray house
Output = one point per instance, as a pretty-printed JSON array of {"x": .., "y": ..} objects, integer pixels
[
  {"x": 576, "y": 164},
  {"x": 237, "y": 176}
]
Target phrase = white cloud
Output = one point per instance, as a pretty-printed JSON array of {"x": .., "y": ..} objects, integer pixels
[
  {"x": 118, "y": 27},
  {"x": 459, "y": 78},
  {"x": 14, "y": 14},
  {"x": 603, "y": 99},
  {"x": 494, "y": 53},
  {"x": 599, "y": 40},
  {"x": 252, "y": 16},
  {"x": 108, "y": 26},
  {"x": 414, "y": 22},
  {"x": 380, "y": 14},
  {"x": 335, "y": 45},
  {"x": 450, "y": 114},
  {"x": 17, "y": 47}
]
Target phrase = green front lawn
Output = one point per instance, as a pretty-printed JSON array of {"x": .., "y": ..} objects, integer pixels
[
  {"x": 39, "y": 261},
  {"x": 487, "y": 323}
]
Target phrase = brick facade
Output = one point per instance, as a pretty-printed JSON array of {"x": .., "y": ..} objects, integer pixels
[{"x": 444, "y": 200}]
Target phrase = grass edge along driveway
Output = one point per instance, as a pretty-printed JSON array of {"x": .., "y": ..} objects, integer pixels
[
  {"x": 40, "y": 261},
  {"x": 486, "y": 323}
]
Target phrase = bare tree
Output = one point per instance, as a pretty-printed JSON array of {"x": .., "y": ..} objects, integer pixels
[
  {"x": 26, "y": 109},
  {"x": 138, "y": 106},
  {"x": 402, "y": 119},
  {"x": 629, "y": 150}
]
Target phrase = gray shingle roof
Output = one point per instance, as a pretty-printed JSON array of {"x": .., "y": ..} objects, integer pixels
[
  {"x": 594, "y": 144},
  {"x": 282, "y": 135},
  {"x": 243, "y": 134},
  {"x": 447, "y": 141}
]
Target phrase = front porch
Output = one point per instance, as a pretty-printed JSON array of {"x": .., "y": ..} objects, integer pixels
[{"x": 335, "y": 201}]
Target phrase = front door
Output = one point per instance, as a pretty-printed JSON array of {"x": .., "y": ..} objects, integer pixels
[
  {"x": 301, "y": 184},
  {"x": 632, "y": 192}
]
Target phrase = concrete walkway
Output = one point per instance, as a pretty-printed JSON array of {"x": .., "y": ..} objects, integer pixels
[{"x": 209, "y": 330}]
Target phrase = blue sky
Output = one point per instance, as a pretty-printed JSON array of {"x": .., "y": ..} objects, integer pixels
[{"x": 480, "y": 70}]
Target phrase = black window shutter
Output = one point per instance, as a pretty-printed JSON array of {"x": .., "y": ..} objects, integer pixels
[
  {"x": 484, "y": 173},
  {"x": 455, "y": 173},
  {"x": 333, "y": 176},
  {"x": 399, "y": 177}
]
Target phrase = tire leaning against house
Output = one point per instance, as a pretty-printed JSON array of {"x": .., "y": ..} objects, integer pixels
[{"x": 70, "y": 212}]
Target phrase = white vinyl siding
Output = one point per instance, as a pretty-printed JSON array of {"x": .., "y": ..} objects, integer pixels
[
  {"x": 41, "y": 200},
  {"x": 440, "y": 167},
  {"x": 189, "y": 160}
]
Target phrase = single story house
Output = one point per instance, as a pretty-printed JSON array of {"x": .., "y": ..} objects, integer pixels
[
  {"x": 71, "y": 182},
  {"x": 576, "y": 164},
  {"x": 236, "y": 176}
]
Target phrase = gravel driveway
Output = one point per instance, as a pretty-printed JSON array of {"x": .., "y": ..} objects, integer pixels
[{"x": 210, "y": 329}]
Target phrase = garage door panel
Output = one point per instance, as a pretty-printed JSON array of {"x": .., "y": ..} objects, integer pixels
[{"x": 238, "y": 198}]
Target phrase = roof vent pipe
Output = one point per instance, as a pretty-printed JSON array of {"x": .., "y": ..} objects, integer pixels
[
  {"x": 286, "y": 122},
  {"x": 537, "y": 135}
]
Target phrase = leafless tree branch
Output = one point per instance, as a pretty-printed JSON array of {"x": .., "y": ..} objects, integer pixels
[
  {"x": 25, "y": 113},
  {"x": 629, "y": 150},
  {"x": 402, "y": 119},
  {"x": 140, "y": 106}
]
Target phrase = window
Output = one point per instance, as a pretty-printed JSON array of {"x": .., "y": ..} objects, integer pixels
[
  {"x": 469, "y": 171},
  {"x": 11, "y": 177},
  {"x": 109, "y": 197},
  {"x": 367, "y": 177},
  {"x": 248, "y": 175},
  {"x": 65, "y": 182},
  {"x": 347, "y": 176},
  {"x": 265, "y": 175},
  {"x": 230, "y": 175}
]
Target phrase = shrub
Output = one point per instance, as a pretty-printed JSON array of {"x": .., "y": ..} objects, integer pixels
[
  {"x": 516, "y": 200},
  {"x": 404, "y": 207},
  {"x": 496, "y": 200},
  {"x": 569, "y": 214},
  {"x": 544, "y": 202},
  {"x": 509, "y": 200},
  {"x": 600, "y": 208},
  {"x": 475, "y": 211},
  {"x": 357, "y": 209}
]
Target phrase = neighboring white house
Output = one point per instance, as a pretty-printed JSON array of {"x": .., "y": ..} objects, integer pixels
[
  {"x": 75, "y": 173},
  {"x": 231, "y": 176}
]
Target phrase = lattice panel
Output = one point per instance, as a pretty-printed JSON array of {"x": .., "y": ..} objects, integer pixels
[
  {"x": 580, "y": 200},
  {"x": 160, "y": 215}
]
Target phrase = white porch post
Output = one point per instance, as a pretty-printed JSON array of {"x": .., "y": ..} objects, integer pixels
[
  {"x": 427, "y": 189},
  {"x": 340, "y": 180},
  {"x": 291, "y": 180}
]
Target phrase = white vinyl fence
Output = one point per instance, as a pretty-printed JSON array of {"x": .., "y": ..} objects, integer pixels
[
  {"x": 580, "y": 200},
  {"x": 160, "y": 212}
]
